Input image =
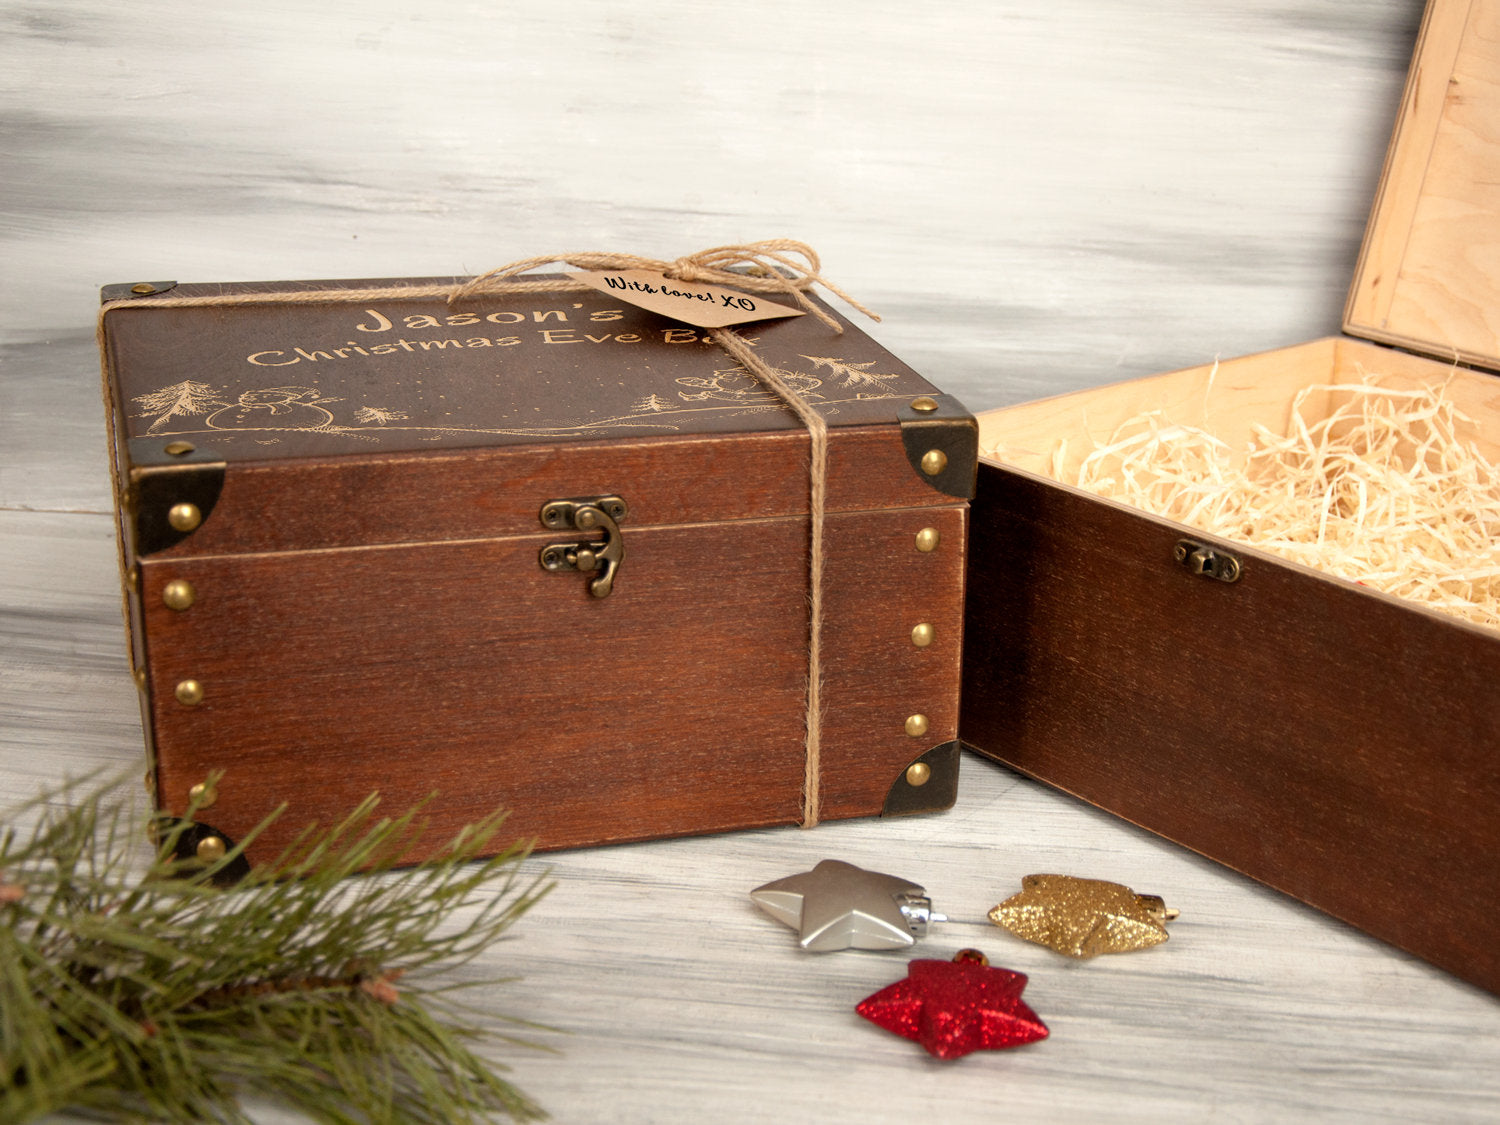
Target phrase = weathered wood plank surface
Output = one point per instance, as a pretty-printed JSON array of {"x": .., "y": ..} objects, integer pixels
[{"x": 1037, "y": 197}]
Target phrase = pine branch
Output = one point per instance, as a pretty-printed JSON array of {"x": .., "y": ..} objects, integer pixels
[{"x": 157, "y": 995}]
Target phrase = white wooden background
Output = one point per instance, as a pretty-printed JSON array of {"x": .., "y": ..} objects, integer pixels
[{"x": 1037, "y": 196}]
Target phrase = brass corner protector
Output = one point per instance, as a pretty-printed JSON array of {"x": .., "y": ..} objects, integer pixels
[
  {"x": 942, "y": 442},
  {"x": 134, "y": 290},
  {"x": 926, "y": 784},
  {"x": 201, "y": 844},
  {"x": 174, "y": 486}
]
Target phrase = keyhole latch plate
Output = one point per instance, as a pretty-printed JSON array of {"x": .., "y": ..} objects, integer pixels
[
  {"x": 1210, "y": 562},
  {"x": 594, "y": 514}
]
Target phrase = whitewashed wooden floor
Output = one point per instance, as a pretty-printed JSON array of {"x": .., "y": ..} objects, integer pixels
[{"x": 1037, "y": 196}]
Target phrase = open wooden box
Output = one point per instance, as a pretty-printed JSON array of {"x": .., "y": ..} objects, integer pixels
[{"x": 1331, "y": 741}]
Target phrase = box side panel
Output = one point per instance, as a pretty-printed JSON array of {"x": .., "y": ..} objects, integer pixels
[
  {"x": 1330, "y": 742},
  {"x": 672, "y": 706},
  {"x": 892, "y": 643}
]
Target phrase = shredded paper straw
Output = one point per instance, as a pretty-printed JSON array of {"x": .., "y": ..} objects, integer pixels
[{"x": 1383, "y": 491}]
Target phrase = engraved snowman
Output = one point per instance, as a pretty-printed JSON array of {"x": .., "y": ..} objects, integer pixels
[
  {"x": 738, "y": 386},
  {"x": 274, "y": 408}
]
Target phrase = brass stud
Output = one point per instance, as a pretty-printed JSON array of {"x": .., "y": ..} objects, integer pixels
[
  {"x": 139, "y": 676},
  {"x": 133, "y": 578},
  {"x": 179, "y": 448},
  {"x": 921, "y": 635},
  {"x": 924, "y": 405},
  {"x": 185, "y": 517},
  {"x": 189, "y": 693},
  {"x": 934, "y": 461},
  {"x": 203, "y": 794},
  {"x": 927, "y": 539},
  {"x": 211, "y": 849},
  {"x": 916, "y": 725},
  {"x": 918, "y": 774},
  {"x": 150, "y": 782},
  {"x": 143, "y": 287},
  {"x": 179, "y": 594}
]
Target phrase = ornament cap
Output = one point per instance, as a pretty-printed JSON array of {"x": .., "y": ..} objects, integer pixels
[{"x": 919, "y": 913}]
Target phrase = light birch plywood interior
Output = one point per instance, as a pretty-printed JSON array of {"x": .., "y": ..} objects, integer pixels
[
  {"x": 1429, "y": 274},
  {"x": 1230, "y": 399}
]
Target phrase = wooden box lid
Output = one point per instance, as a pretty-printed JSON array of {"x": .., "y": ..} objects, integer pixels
[
  {"x": 275, "y": 381},
  {"x": 403, "y": 419},
  {"x": 1428, "y": 276}
]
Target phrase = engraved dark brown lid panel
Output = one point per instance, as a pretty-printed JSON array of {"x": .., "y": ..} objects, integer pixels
[{"x": 266, "y": 382}]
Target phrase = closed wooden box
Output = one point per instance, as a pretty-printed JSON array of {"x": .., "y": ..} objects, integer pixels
[
  {"x": 1336, "y": 743},
  {"x": 356, "y": 560}
]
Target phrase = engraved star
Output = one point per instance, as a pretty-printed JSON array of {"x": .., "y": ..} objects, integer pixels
[
  {"x": 955, "y": 1007},
  {"x": 839, "y": 906},
  {"x": 1083, "y": 917}
]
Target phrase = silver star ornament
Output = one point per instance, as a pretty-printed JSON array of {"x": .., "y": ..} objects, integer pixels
[{"x": 839, "y": 906}]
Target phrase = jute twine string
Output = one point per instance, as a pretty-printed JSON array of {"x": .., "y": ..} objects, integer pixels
[
  {"x": 817, "y": 430},
  {"x": 780, "y": 266}
]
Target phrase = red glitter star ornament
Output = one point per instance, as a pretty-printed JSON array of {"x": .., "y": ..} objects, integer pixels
[{"x": 954, "y": 1007}]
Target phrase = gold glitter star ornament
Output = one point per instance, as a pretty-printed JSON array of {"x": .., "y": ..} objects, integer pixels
[{"x": 1083, "y": 917}]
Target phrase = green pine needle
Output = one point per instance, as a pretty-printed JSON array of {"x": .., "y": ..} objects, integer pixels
[{"x": 156, "y": 995}]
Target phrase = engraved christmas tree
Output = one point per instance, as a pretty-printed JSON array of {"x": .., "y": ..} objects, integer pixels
[{"x": 186, "y": 398}]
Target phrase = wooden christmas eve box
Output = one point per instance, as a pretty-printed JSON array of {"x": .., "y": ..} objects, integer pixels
[
  {"x": 376, "y": 546},
  {"x": 1331, "y": 741}
]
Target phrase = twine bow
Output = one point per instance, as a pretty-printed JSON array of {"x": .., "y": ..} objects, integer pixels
[{"x": 781, "y": 266}]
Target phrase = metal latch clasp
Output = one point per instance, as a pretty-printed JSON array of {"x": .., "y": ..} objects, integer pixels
[
  {"x": 598, "y": 514},
  {"x": 1209, "y": 562}
]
